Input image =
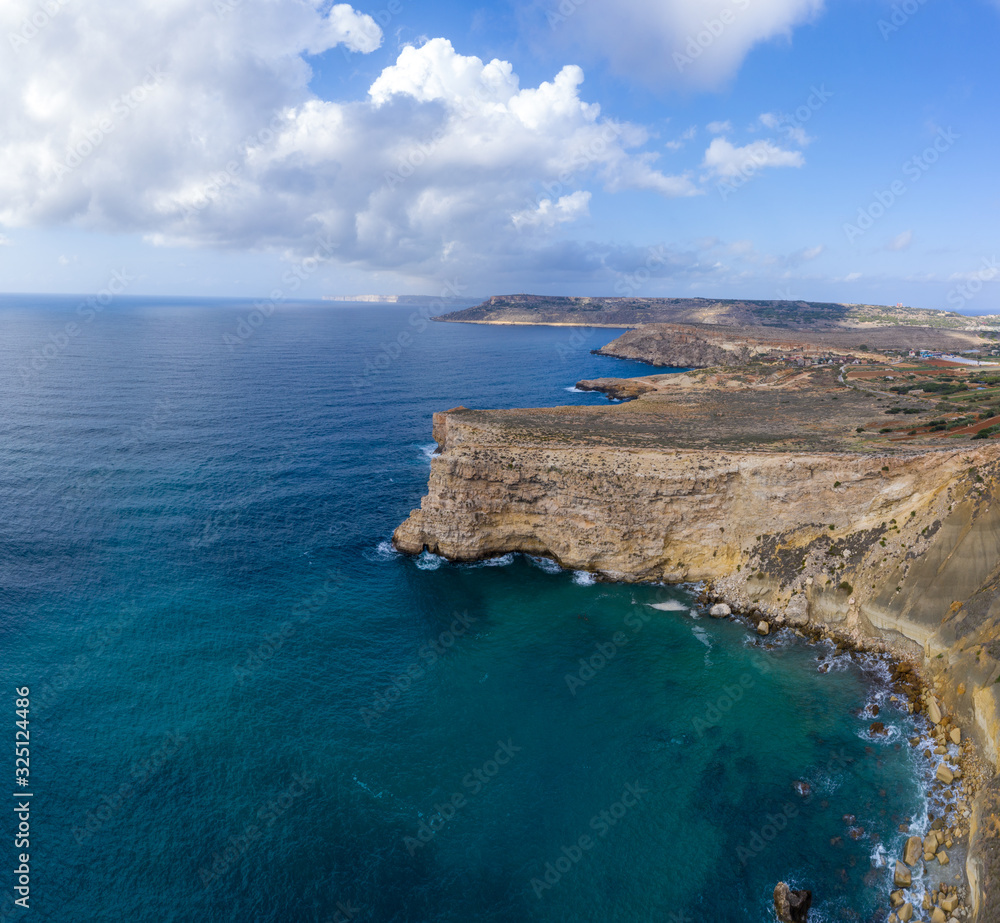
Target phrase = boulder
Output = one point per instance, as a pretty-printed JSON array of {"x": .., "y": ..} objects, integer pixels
[
  {"x": 763, "y": 628},
  {"x": 942, "y": 857},
  {"x": 938, "y": 916},
  {"x": 913, "y": 850},
  {"x": 905, "y": 913},
  {"x": 944, "y": 774},
  {"x": 902, "y": 877},
  {"x": 949, "y": 904},
  {"x": 791, "y": 906},
  {"x": 797, "y": 611},
  {"x": 933, "y": 710},
  {"x": 956, "y": 735},
  {"x": 720, "y": 611}
]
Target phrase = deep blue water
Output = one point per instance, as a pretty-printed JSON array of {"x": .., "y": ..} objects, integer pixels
[{"x": 246, "y": 707}]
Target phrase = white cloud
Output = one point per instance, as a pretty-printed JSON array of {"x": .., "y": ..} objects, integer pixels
[
  {"x": 726, "y": 161},
  {"x": 548, "y": 213},
  {"x": 679, "y": 142},
  {"x": 719, "y": 128},
  {"x": 852, "y": 277},
  {"x": 787, "y": 125},
  {"x": 220, "y": 141},
  {"x": 697, "y": 43},
  {"x": 900, "y": 241},
  {"x": 5, "y": 241}
]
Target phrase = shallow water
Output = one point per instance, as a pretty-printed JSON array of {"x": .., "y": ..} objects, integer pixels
[{"x": 246, "y": 706}]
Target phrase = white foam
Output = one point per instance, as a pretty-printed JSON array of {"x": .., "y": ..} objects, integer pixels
[
  {"x": 386, "y": 551},
  {"x": 702, "y": 635},
  {"x": 545, "y": 564},
  {"x": 501, "y": 561},
  {"x": 576, "y": 390},
  {"x": 583, "y": 578},
  {"x": 430, "y": 450},
  {"x": 429, "y": 561},
  {"x": 671, "y": 605}
]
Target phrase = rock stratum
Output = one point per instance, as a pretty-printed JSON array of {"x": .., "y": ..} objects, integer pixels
[{"x": 765, "y": 489}]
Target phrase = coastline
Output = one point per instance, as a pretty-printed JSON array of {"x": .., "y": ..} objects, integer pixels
[
  {"x": 908, "y": 536},
  {"x": 948, "y": 804}
]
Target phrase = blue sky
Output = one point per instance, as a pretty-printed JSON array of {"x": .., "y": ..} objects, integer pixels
[{"x": 839, "y": 150}]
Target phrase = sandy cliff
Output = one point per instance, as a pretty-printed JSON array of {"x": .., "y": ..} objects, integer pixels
[{"x": 900, "y": 545}]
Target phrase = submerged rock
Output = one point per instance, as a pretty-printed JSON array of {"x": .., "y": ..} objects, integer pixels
[{"x": 791, "y": 906}]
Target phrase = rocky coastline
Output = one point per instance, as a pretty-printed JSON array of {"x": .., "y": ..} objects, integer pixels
[{"x": 896, "y": 552}]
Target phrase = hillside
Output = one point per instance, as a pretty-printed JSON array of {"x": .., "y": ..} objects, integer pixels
[{"x": 631, "y": 312}]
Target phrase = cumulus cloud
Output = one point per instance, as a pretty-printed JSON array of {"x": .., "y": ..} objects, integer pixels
[
  {"x": 696, "y": 43},
  {"x": 725, "y": 161},
  {"x": 549, "y": 213},
  {"x": 193, "y": 123}
]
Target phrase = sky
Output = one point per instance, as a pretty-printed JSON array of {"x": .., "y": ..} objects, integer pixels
[{"x": 824, "y": 150}]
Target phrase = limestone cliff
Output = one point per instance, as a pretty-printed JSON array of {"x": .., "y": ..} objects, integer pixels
[{"x": 899, "y": 543}]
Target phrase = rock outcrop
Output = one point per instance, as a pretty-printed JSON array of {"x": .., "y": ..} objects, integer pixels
[{"x": 791, "y": 906}]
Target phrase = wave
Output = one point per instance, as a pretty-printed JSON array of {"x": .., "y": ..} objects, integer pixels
[
  {"x": 386, "y": 551},
  {"x": 576, "y": 390},
  {"x": 584, "y": 578},
  {"x": 545, "y": 564},
  {"x": 429, "y": 450},
  {"x": 429, "y": 561},
  {"x": 671, "y": 605},
  {"x": 500, "y": 561}
]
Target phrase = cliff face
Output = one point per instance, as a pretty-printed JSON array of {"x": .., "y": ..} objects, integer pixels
[{"x": 902, "y": 546}]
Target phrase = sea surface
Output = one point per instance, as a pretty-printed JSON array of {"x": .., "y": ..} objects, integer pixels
[{"x": 245, "y": 706}]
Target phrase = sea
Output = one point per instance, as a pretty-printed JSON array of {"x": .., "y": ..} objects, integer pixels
[{"x": 244, "y": 705}]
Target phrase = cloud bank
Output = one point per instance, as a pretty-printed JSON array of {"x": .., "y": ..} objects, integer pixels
[{"x": 193, "y": 123}]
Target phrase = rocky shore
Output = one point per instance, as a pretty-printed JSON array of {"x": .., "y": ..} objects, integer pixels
[
  {"x": 787, "y": 521},
  {"x": 925, "y": 886}
]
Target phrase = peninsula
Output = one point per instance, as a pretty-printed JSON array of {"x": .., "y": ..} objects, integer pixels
[{"x": 829, "y": 468}]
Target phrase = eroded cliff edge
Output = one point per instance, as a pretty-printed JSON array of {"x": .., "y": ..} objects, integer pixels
[{"x": 767, "y": 490}]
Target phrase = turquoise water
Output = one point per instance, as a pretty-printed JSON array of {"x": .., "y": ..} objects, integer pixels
[{"x": 247, "y": 707}]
